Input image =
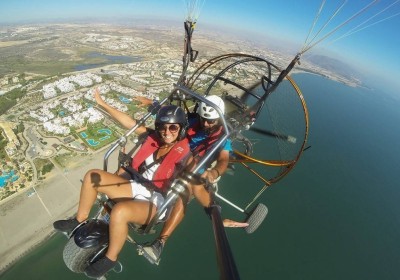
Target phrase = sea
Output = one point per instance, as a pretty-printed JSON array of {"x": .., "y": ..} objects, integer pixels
[{"x": 336, "y": 215}]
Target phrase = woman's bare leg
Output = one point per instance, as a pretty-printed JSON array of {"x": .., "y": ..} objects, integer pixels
[
  {"x": 202, "y": 195},
  {"x": 175, "y": 218},
  {"x": 95, "y": 181},
  {"x": 135, "y": 211}
]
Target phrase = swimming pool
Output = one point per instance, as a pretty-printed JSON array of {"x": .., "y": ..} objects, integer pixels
[
  {"x": 7, "y": 177},
  {"x": 84, "y": 135},
  {"x": 124, "y": 99},
  {"x": 95, "y": 142}
]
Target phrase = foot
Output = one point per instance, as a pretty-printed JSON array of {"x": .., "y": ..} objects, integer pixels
[
  {"x": 153, "y": 251},
  {"x": 232, "y": 223},
  {"x": 99, "y": 268},
  {"x": 66, "y": 225}
]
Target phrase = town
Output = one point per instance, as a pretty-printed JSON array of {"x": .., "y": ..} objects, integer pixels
[{"x": 55, "y": 118}]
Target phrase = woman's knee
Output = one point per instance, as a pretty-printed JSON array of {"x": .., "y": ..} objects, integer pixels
[
  {"x": 93, "y": 177},
  {"x": 120, "y": 212}
]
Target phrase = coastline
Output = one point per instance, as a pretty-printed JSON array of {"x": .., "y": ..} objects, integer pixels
[{"x": 27, "y": 222}]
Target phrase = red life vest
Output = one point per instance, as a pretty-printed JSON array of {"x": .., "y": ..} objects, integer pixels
[
  {"x": 202, "y": 148},
  {"x": 163, "y": 175}
]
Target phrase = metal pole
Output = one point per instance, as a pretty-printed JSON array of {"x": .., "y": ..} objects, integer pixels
[{"x": 226, "y": 262}]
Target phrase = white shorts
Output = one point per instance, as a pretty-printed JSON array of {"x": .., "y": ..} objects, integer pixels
[{"x": 140, "y": 192}]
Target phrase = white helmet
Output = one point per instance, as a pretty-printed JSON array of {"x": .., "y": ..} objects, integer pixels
[{"x": 209, "y": 112}]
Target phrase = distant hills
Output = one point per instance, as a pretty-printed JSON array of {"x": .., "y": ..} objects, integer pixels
[{"x": 334, "y": 65}]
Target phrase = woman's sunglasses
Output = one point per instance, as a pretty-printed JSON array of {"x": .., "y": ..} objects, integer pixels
[
  {"x": 209, "y": 121},
  {"x": 171, "y": 127}
]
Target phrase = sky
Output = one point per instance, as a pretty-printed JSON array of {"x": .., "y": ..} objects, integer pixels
[{"x": 374, "y": 49}]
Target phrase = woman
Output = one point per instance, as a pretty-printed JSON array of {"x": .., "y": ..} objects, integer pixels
[
  {"x": 205, "y": 128},
  {"x": 157, "y": 160}
]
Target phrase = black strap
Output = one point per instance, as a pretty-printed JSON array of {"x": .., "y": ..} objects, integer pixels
[
  {"x": 136, "y": 176},
  {"x": 143, "y": 167},
  {"x": 125, "y": 159}
]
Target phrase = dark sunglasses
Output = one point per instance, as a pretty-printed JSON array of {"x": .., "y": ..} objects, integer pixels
[
  {"x": 209, "y": 121},
  {"x": 172, "y": 127}
]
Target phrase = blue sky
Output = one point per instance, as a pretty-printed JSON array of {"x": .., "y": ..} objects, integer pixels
[{"x": 374, "y": 49}]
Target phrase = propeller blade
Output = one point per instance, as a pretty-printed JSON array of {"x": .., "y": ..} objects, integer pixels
[{"x": 288, "y": 138}]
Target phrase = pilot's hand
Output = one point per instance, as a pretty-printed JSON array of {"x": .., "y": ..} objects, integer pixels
[{"x": 210, "y": 175}]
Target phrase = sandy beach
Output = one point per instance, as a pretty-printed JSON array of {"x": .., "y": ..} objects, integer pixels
[{"x": 25, "y": 222}]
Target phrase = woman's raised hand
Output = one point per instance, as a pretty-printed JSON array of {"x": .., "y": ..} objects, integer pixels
[
  {"x": 97, "y": 97},
  {"x": 143, "y": 100}
]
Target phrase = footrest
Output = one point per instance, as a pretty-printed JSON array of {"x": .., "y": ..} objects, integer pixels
[{"x": 143, "y": 252}]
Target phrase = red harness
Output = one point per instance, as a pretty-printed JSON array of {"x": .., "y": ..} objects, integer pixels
[
  {"x": 165, "y": 171},
  {"x": 202, "y": 148}
]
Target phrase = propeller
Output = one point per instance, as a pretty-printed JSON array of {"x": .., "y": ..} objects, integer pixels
[{"x": 288, "y": 138}]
